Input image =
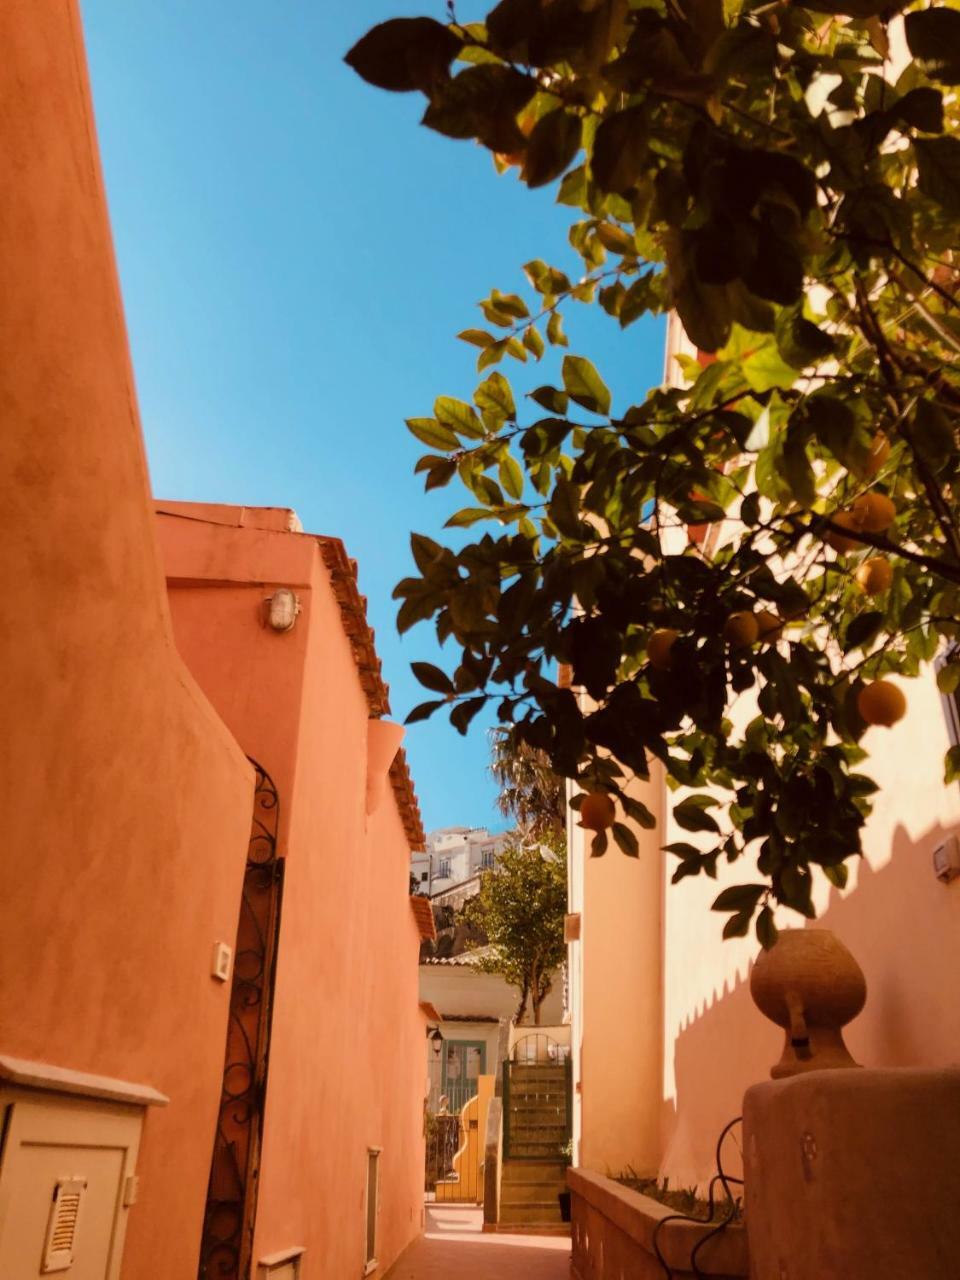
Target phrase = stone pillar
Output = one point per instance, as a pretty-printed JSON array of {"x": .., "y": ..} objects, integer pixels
[{"x": 854, "y": 1175}]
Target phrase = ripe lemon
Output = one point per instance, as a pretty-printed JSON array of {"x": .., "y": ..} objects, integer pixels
[
  {"x": 875, "y": 512},
  {"x": 875, "y": 575},
  {"x": 741, "y": 629},
  {"x": 839, "y": 541},
  {"x": 769, "y": 626},
  {"x": 597, "y": 812},
  {"x": 881, "y": 702},
  {"x": 659, "y": 646}
]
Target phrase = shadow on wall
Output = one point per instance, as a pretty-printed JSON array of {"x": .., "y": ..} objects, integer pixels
[{"x": 901, "y": 924}]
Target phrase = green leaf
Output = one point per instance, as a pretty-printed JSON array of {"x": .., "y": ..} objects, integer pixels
[
  {"x": 404, "y": 54},
  {"x": 948, "y": 677},
  {"x": 798, "y": 469},
  {"x": 598, "y": 845},
  {"x": 463, "y": 713},
  {"x": 620, "y": 150},
  {"x": 476, "y": 337},
  {"x": 584, "y": 385},
  {"x": 800, "y": 342},
  {"x": 546, "y": 280},
  {"x": 933, "y": 434},
  {"x": 554, "y": 142},
  {"x": 432, "y": 677},
  {"x": 511, "y": 303},
  {"x": 933, "y": 36},
  {"x": 555, "y": 334},
  {"x": 459, "y": 416},
  {"x": 467, "y": 516},
  {"x": 922, "y": 108},
  {"x": 511, "y": 476},
  {"x": 494, "y": 396},
  {"x": 551, "y": 398},
  {"x": 533, "y": 342},
  {"x": 863, "y": 630},
  {"x": 626, "y": 841},
  {"x": 432, "y": 433},
  {"x": 482, "y": 102},
  {"x": 424, "y": 711},
  {"x": 938, "y": 170},
  {"x": 492, "y": 355},
  {"x": 564, "y": 508},
  {"x": 951, "y": 766}
]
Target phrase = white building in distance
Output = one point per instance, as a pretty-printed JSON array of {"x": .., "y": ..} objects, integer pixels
[{"x": 453, "y": 855}]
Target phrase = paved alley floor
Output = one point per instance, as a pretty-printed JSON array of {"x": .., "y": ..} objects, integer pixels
[{"x": 454, "y": 1247}]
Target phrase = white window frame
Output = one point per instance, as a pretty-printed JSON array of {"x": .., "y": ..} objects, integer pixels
[{"x": 370, "y": 1264}]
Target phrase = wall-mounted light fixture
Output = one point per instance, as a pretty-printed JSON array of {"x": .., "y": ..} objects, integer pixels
[
  {"x": 436, "y": 1040},
  {"x": 282, "y": 609}
]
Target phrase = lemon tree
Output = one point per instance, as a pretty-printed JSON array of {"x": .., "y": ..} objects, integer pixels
[{"x": 786, "y": 177}]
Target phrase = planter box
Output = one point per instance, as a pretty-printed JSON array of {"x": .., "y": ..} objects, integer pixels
[{"x": 613, "y": 1236}]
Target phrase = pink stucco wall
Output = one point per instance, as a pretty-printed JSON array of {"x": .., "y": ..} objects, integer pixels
[
  {"x": 346, "y": 1057},
  {"x": 126, "y": 802}
]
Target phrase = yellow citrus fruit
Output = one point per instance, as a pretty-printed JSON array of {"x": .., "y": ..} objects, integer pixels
[
  {"x": 659, "y": 646},
  {"x": 881, "y": 702},
  {"x": 769, "y": 626},
  {"x": 597, "y": 812},
  {"x": 839, "y": 541},
  {"x": 879, "y": 452},
  {"x": 875, "y": 512},
  {"x": 741, "y": 629},
  {"x": 875, "y": 575}
]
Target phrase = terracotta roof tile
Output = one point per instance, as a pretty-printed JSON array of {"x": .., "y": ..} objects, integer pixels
[
  {"x": 353, "y": 613},
  {"x": 423, "y": 914}
]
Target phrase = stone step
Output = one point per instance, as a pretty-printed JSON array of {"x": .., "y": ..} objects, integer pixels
[
  {"x": 539, "y": 1119},
  {"x": 527, "y": 1192},
  {"x": 533, "y": 1211},
  {"x": 533, "y": 1171},
  {"x": 538, "y": 1098},
  {"x": 537, "y": 1150},
  {"x": 520, "y": 1072}
]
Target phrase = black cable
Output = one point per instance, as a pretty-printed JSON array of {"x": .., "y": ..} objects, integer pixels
[{"x": 726, "y": 1180}]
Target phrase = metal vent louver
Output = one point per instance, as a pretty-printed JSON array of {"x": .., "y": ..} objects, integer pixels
[{"x": 62, "y": 1227}]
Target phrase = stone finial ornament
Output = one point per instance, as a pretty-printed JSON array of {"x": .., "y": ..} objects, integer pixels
[{"x": 809, "y": 984}]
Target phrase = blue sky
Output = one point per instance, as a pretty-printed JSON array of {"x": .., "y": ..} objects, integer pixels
[{"x": 296, "y": 255}]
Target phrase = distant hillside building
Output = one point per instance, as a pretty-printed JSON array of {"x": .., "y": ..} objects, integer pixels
[{"x": 454, "y": 855}]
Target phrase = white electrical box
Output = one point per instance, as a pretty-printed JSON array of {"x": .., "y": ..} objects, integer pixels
[
  {"x": 946, "y": 859},
  {"x": 222, "y": 960}
]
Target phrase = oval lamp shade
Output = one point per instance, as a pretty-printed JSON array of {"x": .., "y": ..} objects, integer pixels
[{"x": 383, "y": 743}]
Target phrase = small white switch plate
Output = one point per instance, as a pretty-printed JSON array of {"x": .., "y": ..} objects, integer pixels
[
  {"x": 222, "y": 960},
  {"x": 946, "y": 860}
]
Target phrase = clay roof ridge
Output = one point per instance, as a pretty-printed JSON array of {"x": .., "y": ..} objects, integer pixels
[{"x": 353, "y": 612}]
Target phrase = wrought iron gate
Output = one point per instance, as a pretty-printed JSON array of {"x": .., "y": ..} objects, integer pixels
[{"x": 234, "y": 1171}]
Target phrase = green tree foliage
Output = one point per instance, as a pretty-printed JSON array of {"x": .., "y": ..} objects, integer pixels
[
  {"x": 520, "y": 909},
  {"x": 768, "y": 171},
  {"x": 530, "y": 793}
]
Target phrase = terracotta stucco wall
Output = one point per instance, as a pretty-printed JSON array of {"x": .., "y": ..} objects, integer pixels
[
  {"x": 127, "y": 804},
  {"x": 347, "y": 1048}
]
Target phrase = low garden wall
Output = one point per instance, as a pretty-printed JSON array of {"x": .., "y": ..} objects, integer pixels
[{"x": 613, "y": 1236}]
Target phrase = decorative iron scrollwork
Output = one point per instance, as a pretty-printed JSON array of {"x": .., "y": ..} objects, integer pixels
[{"x": 232, "y": 1192}]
